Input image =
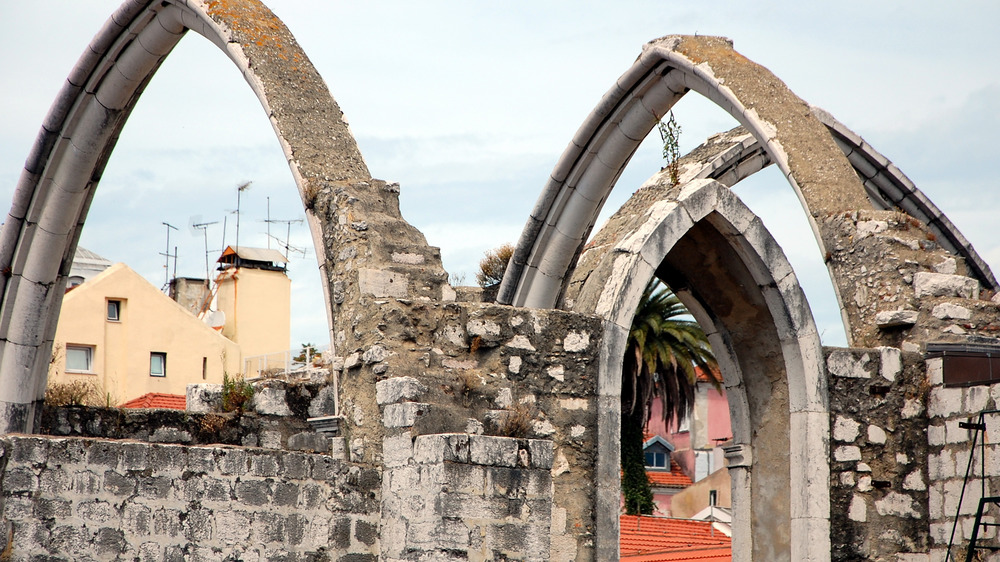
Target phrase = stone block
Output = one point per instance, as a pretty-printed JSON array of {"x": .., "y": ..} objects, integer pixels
[
  {"x": 270, "y": 400},
  {"x": 153, "y": 487},
  {"x": 912, "y": 407},
  {"x": 253, "y": 492},
  {"x": 442, "y": 534},
  {"x": 843, "y": 363},
  {"x": 954, "y": 433},
  {"x": 890, "y": 363},
  {"x": 170, "y": 435},
  {"x": 858, "y": 511},
  {"x": 846, "y": 429},
  {"x": 935, "y": 435},
  {"x": 944, "y": 402},
  {"x": 134, "y": 456},
  {"x": 397, "y": 450},
  {"x": 20, "y": 479},
  {"x": 374, "y": 354},
  {"x": 404, "y": 414},
  {"x": 975, "y": 399},
  {"x": 338, "y": 448},
  {"x": 29, "y": 450},
  {"x": 232, "y": 461},
  {"x": 542, "y": 452},
  {"x": 914, "y": 481},
  {"x": 897, "y": 504},
  {"x": 442, "y": 447},
  {"x": 398, "y": 389},
  {"x": 576, "y": 342},
  {"x": 381, "y": 283},
  {"x": 847, "y": 453},
  {"x": 232, "y": 526},
  {"x": 351, "y": 361},
  {"x": 309, "y": 441},
  {"x": 96, "y": 512},
  {"x": 204, "y": 398},
  {"x": 896, "y": 318},
  {"x": 949, "y": 311},
  {"x": 493, "y": 451},
  {"x": 55, "y": 482},
  {"x": 935, "y": 371},
  {"x": 876, "y": 435},
  {"x": 323, "y": 404},
  {"x": 265, "y": 464},
  {"x": 926, "y": 284}
]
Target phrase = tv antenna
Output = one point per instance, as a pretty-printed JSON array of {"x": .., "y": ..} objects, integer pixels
[
  {"x": 168, "y": 255},
  {"x": 287, "y": 242},
  {"x": 203, "y": 226},
  {"x": 239, "y": 191}
]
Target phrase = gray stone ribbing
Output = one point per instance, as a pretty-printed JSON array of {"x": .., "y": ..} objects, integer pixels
[{"x": 79, "y": 134}]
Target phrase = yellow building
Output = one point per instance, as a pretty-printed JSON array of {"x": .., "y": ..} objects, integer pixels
[
  {"x": 122, "y": 333},
  {"x": 254, "y": 293}
]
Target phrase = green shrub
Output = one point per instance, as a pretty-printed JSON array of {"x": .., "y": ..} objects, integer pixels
[{"x": 236, "y": 393}]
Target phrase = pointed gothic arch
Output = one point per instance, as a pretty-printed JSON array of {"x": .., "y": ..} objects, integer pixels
[{"x": 60, "y": 176}]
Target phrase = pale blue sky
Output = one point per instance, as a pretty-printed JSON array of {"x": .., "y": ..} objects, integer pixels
[{"x": 468, "y": 106}]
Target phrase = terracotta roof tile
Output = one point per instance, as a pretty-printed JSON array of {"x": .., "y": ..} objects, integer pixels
[
  {"x": 158, "y": 400},
  {"x": 673, "y": 479},
  {"x": 654, "y": 539}
]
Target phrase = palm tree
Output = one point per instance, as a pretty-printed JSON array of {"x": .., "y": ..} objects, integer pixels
[{"x": 662, "y": 359}]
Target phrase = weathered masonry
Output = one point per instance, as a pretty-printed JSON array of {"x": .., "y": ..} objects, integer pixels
[{"x": 490, "y": 431}]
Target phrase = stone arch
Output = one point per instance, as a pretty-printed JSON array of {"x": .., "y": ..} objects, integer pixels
[
  {"x": 735, "y": 155},
  {"x": 734, "y": 278},
  {"x": 80, "y": 131},
  {"x": 812, "y": 160}
]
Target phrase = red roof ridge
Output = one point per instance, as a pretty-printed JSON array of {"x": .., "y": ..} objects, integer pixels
[{"x": 160, "y": 400}]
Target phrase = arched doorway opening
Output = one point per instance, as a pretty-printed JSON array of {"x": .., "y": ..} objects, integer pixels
[{"x": 734, "y": 279}]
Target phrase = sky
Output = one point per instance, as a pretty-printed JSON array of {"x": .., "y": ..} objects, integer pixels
[{"x": 469, "y": 105}]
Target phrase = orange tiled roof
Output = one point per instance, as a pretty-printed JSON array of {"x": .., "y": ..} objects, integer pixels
[
  {"x": 661, "y": 539},
  {"x": 713, "y": 554},
  {"x": 675, "y": 478},
  {"x": 158, "y": 400}
]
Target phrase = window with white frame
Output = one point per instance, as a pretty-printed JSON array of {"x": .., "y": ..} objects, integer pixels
[
  {"x": 157, "y": 364},
  {"x": 79, "y": 359}
]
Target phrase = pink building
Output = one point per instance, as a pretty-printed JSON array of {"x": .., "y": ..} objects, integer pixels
[{"x": 697, "y": 442}]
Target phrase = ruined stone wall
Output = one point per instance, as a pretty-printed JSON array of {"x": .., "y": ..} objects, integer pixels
[
  {"x": 274, "y": 419},
  {"x": 480, "y": 369},
  {"x": 950, "y": 447},
  {"x": 878, "y": 452},
  {"x": 77, "y": 499},
  {"x": 466, "y": 497}
]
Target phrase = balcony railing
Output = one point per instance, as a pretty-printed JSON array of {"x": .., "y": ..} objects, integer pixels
[{"x": 281, "y": 363}]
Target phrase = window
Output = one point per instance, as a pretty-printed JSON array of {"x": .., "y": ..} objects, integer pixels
[
  {"x": 157, "y": 364},
  {"x": 713, "y": 498},
  {"x": 79, "y": 359},
  {"x": 114, "y": 310},
  {"x": 656, "y": 459}
]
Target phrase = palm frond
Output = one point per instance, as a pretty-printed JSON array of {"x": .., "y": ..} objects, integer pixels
[{"x": 665, "y": 352}]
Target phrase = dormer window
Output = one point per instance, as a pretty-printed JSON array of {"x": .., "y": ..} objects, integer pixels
[
  {"x": 657, "y": 460},
  {"x": 657, "y": 453}
]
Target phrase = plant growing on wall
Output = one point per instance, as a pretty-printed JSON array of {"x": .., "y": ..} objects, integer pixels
[
  {"x": 493, "y": 265},
  {"x": 662, "y": 358},
  {"x": 491, "y": 270},
  {"x": 670, "y": 134},
  {"x": 236, "y": 393}
]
